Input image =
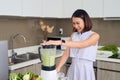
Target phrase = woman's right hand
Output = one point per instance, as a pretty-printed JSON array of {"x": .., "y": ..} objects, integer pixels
[
  {"x": 52, "y": 42},
  {"x": 45, "y": 43},
  {"x": 57, "y": 70}
]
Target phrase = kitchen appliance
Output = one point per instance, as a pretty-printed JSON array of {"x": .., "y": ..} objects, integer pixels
[
  {"x": 4, "y": 60},
  {"x": 58, "y": 38},
  {"x": 47, "y": 56}
]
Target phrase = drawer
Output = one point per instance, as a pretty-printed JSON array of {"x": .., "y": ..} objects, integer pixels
[{"x": 108, "y": 65}]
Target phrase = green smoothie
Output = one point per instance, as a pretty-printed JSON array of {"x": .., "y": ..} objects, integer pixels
[{"x": 48, "y": 57}]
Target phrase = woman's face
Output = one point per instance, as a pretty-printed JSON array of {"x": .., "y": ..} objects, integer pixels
[{"x": 78, "y": 24}]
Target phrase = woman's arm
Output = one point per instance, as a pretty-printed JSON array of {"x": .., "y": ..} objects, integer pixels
[
  {"x": 63, "y": 59},
  {"x": 92, "y": 40}
]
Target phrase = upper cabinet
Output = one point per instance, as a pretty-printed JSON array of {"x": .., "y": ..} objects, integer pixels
[
  {"x": 111, "y": 8},
  {"x": 69, "y": 6},
  {"x": 93, "y": 7},
  {"x": 52, "y": 8},
  {"x": 59, "y": 8},
  {"x": 10, "y": 7},
  {"x": 32, "y": 8}
]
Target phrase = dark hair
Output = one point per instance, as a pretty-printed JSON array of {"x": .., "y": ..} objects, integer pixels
[{"x": 83, "y": 15}]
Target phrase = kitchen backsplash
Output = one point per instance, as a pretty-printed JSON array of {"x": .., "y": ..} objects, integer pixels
[{"x": 29, "y": 27}]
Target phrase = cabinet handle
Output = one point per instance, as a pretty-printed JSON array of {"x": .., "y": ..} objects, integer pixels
[{"x": 109, "y": 70}]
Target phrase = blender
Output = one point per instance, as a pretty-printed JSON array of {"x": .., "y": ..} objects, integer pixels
[{"x": 47, "y": 56}]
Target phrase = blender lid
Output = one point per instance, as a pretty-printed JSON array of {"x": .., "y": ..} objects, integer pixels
[{"x": 48, "y": 46}]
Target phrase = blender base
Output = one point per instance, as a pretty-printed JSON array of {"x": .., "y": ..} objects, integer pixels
[{"x": 49, "y": 75}]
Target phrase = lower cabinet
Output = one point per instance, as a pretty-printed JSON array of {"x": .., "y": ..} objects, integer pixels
[
  {"x": 104, "y": 70},
  {"x": 38, "y": 68},
  {"x": 108, "y": 70},
  {"x": 108, "y": 75},
  {"x": 35, "y": 68}
]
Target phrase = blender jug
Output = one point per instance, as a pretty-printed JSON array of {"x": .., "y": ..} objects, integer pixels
[{"x": 47, "y": 56}]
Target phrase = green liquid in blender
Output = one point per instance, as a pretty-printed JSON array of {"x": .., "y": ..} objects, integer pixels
[{"x": 48, "y": 60}]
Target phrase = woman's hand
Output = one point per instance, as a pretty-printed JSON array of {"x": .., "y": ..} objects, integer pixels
[
  {"x": 52, "y": 42},
  {"x": 57, "y": 70},
  {"x": 45, "y": 43}
]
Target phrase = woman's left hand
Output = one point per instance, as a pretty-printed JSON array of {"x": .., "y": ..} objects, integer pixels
[
  {"x": 52, "y": 42},
  {"x": 45, "y": 43}
]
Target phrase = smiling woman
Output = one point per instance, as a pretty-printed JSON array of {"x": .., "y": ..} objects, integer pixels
[{"x": 81, "y": 47}]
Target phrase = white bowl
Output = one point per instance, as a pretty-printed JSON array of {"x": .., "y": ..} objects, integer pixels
[{"x": 104, "y": 54}]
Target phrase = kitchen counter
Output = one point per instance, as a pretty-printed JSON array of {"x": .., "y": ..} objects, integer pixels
[
  {"x": 101, "y": 55},
  {"x": 33, "y": 49}
]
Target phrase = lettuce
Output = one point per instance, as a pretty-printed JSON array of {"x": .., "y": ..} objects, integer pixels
[
  {"x": 14, "y": 76},
  {"x": 112, "y": 48},
  {"x": 26, "y": 76}
]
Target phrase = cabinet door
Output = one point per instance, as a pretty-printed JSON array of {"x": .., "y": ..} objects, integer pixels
[
  {"x": 69, "y": 6},
  {"x": 31, "y": 68},
  {"x": 32, "y": 8},
  {"x": 108, "y": 70},
  {"x": 10, "y": 7},
  {"x": 111, "y": 8},
  {"x": 108, "y": 75},
  {"x": 108, "y": 65},
  {"x": 52, "y": 8},
  {"x": 93, "y": 7},
  {"x": 38, "y": 68}
]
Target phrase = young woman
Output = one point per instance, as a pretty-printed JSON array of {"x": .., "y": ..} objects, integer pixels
[{"x": 81, "y": 46}]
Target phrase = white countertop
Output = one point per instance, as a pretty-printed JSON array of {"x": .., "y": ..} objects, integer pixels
[{"x": 101, "y": 55}]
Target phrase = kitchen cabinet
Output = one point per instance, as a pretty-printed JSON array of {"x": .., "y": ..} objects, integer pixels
[
  {"x": 11, "y": 7},
  {"x": 23, "y": 8},
  {"x": 59, "y": 8},
  {"x": 23, "y": 70},
  {"x": 42, "y": 8},
  {"x": 38, "y": 68},
  {"x": 111, "y": 8},
  {"x": 32, "y": 8},
  {"x": 52, "y": 8},
  {"x": 108, "y": 75},
  {"x": 108, "y": 70},
  {"x": 93, "y": 7},
  {"x": 69, "y": 6},
  {"x": 35, "y": 68}
]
